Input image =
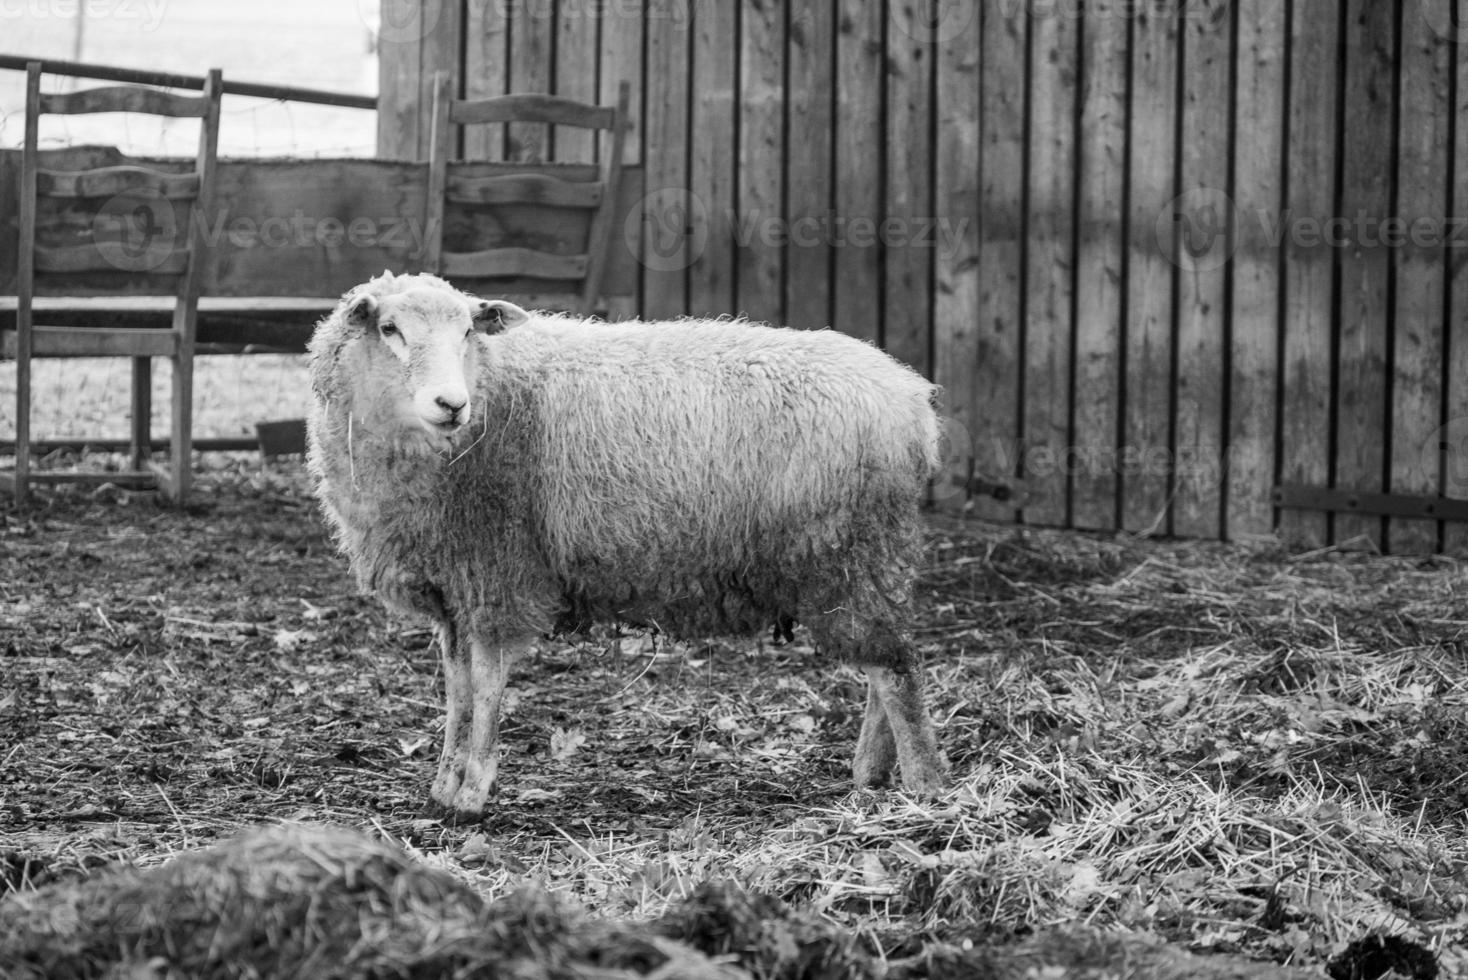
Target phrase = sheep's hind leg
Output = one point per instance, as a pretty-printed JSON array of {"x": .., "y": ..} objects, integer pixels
[
  {"x": 876, "y": 749},
  {"x": 459, "y": 696},
  {"x": 489, "y": 673},
  {"x": 900, "y": 691}
]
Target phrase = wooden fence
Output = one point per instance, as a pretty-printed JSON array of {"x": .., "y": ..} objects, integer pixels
[{"x": 1163, "y": 255}]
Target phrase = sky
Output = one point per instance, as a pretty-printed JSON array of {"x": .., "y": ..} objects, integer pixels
[{"x": 321, "y": 44}]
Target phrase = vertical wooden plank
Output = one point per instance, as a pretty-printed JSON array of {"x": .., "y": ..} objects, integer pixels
[
  {"x": 715, "y": 105},
  {"x": 399, "y": 69},
  {"x": 1418, "y": 327},
  {"x": 1050, "y": 267},
  {"x": 1258, "y": 174},
  {"x": 1305, "y": 403},
  {"x": 993, "y": 424},
  {"x": 1364, "y": 267},
  {"x": 1205, "y": 216},
  {"x": 808, "y": 175},
  {"x": 621, "y": 61},
  {"x": 486, "y": 74},
  {"x": 907, "y": 313},
  {"x": 859, "y": 70},
  {"x": 532, "y": 34},
  {"x": 1151, "y": 271},
  {"x": 758, "y": 225},
  {"x": 578, "y": 27},
  {"x": 1102, "y": 159},
  {"x": 1453, "y": 438},
  {"x": 665, "y": 280},
  {"x": 956, "y": 258},
  {"x": 440, "y": 52}
]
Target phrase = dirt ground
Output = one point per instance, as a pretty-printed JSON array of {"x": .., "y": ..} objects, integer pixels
[{"x": 1236, "y": 751}]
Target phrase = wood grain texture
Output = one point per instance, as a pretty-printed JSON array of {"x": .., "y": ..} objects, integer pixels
[
  {"x": 665, "y": 234},
  {"x": 1146, "y": 480},
  {"x": 759, "y": 221},
  {"x": 810, "y": 37},
  {"x": 486, "y": 74},
  {"x": 856, "y": 288},
  {"x": 907, "y": 313},
  {"x": 712, "y": 164},
  {"x": 1258, "y": 190},
  {"x": 1305, "y": 401},
  {"x": 1418, "y": 327}
]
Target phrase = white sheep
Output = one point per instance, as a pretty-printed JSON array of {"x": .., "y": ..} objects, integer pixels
[{"x": 701, "y": 477}]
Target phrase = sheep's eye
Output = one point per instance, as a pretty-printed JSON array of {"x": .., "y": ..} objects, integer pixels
[{"x": 389, "y": 329}]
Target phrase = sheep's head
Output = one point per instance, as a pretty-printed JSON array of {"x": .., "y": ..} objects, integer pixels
[{"x": 420, "y": 343}]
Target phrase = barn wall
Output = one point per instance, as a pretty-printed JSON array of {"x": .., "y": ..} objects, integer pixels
[{"x": 1098, "y": 223}]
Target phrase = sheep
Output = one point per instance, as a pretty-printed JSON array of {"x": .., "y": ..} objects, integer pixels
[{"x": 510, "y": 475}]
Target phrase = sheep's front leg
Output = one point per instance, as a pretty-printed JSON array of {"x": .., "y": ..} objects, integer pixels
[
  {"x": 459, "y": 695},
  {"x": 489, "y": 671},
  {"x": 901, "y": 694},
  {"x": 876, "y": 749}
]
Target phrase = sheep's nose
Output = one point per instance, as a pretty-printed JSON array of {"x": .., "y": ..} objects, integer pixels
[{"x": 451, "y": 405}]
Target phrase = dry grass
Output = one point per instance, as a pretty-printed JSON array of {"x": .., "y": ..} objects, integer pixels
[{"x": 1193, "y": 747}]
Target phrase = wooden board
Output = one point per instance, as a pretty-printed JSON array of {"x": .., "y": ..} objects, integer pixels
[
  {"x": 532, "y": 41},
  {"x": 1205, "y": 217},
  {"x": 1050, "y": 269},
  {"x": 1258, "y": 190},
  {"x": 810, "y": 38},
  {"x": 486, "y": 74},
  {"x": 1418, "y": 326},
  {"x": 1151, "y": 276},
  {"x": 400, "y": 69},
  {"x": 1099, "y": 265},
  {"x": 1453, "y": 438},
  {"x": 759, "y": 221},
  {"x": 956, "y": 259},
  {"x": 578, "y": 29},
  {"x": 711, "y": 167},
  {"x": 857, "y": 280},
  {"x": 993, "y": 423},
  {"x": 1365, "y": 272},
  {"x": 907, "y": 314},
  {"x": 1310, "y": 192},
  {"x": 666, "y": 253}
]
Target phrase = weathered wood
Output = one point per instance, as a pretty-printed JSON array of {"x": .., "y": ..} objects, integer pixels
[
  {"x": 1151, "y": 271},
  {"x": 710, "y": 203},
  {"x": 48, "y": 341},
  {"x": 524, "y": 188},
  {"x": 758, "y": 226},
  {"x": 956, "y": 264},
  {"x": 1258, "y": 181},
  {"x": 856, "y": 288},
  {"x": 1099, "y": 265},
  {"x": 907, "y": 307},
  {"x": 1452, "y": 439},
  {"x": 532, "y": 37},
  {"x": 810, "y": 36},
  {"x": 993, "y": 423},
  {"x": 599, "y": 236},
  {"x": 441, "y": 29},
  {"x": 552, "y": 109},
  {"x": 621, "y": 61},
  {"x": 75, "y": 259},
  {"x": 1050, "y": 269},
  {"x": 1365, "y": 267},
  {"x": 1205, "y": 216},
  {"x": 125, "y": 98},
  {"x": 577, "y": 27},
  {"x": 486, "y": 74},
  {"x": 1305, "y": 409},
  {"x": 442, "y": 134},
  {"x": 115, "y": 180},
  {"x": 665, "y": 241},
  {"x": 494, "y": 262},
  {"x": 399, "y": 78},
  {"x": 1418, "y": 327}
]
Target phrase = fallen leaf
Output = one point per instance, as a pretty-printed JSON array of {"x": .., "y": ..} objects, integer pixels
[{"x": 564, "y": 743}]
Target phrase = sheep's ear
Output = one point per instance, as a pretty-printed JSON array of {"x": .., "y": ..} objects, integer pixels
[
  {"x": 497, "y": 314},
  {"x": 362, "y": 312}
]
